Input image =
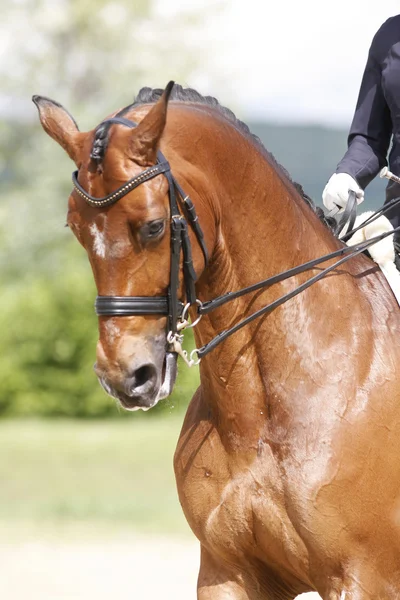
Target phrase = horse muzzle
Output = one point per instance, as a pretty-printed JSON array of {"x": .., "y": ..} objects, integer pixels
[{"x": 144, "y": 385}]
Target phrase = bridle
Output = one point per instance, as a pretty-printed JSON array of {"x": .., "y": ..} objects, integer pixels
[{"x": 182, "y": 212}]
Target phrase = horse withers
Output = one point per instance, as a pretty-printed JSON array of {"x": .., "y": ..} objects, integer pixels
[{"x": 288, "y": 463}]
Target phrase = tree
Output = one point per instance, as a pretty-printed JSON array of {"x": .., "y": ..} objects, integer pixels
[{"x": 92, "y": 56}]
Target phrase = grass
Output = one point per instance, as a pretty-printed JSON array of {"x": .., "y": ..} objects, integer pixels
[{"x": 102, "y": 474}]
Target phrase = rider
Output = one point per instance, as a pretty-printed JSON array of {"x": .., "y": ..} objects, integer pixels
[{"x": 376, "y": 120}]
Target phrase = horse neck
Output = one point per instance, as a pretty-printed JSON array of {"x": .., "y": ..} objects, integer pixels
[{"x": 263, "y": 227}]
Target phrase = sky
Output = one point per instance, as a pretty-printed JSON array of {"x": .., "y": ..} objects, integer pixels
[
  {"x": 278, "y": 61},
  {"x": 284, "y": 60}
]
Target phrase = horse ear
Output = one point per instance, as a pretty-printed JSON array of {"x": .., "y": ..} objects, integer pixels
[
  {"x": 60, "y": 125},
  {"x": 146, "y": 136}
]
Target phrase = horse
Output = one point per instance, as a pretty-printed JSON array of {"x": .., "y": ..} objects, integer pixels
[{"x": 288, "y": 461}]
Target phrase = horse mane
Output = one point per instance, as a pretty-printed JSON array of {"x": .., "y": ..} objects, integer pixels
[{"x": 147, "y": 95}]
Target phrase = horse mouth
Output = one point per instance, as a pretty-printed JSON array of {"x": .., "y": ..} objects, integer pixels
[{"x": 133, "y": 402}]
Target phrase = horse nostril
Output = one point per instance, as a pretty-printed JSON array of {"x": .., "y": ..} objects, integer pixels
[
  {"x": 144, "y": 379},
  {"x": 143, "y": 374}
]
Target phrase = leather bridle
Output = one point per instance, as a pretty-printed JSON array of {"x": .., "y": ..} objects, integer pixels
[{"x": 182, "y": 212}]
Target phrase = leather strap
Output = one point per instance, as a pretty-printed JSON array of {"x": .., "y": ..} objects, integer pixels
[
  {"x": 191, "y": 215},
  {"x": 189, "y": 274},
  {"x": 349, "y": 214},
  {"x": 385, "y": 208},
  {"x": 176, "y": 245},
  {"x": 121, "y": 191},
  {"x": 133, "y": 305},
  {"x": 120, "y": 121},
  {"x": 169, "y": 305},
  {"x": 349, "y": 251}
]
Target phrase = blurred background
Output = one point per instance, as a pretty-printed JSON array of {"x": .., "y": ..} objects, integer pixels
[{"x": 88, "y": 505}]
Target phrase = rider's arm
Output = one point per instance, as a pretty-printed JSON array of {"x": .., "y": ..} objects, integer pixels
[{"x": 371, "y": 129}]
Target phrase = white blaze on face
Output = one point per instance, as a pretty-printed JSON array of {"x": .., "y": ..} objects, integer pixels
[
  {"x": 99, "y": 243},
  {"x": 113, "y": 330}
]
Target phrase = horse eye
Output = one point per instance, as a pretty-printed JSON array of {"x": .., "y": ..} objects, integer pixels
[{"x": 153, "y": 229}]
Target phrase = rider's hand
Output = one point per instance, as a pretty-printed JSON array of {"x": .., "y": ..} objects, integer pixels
[{"x": 336, "y": 192}]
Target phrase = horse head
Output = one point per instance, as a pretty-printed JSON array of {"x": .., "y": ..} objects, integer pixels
[{"x": 127, "y": 242}]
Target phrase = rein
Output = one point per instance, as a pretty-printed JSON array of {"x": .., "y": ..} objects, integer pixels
[
  {"x": 349, "y": 251},
  {"x": 182, "y": 212}
]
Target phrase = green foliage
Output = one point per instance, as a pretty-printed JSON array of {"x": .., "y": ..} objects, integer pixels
[
  {"x": 92, "y": 57},
  {"x": 48, "y": 342}
]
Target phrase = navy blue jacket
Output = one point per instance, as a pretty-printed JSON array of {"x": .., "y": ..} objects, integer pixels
[{"x": 377, "y": 115}]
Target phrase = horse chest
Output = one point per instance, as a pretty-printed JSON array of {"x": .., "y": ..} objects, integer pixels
[{"x": 236, "y": 512}]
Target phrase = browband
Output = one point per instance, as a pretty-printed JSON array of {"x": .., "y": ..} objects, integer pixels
[
  {"x": 121, "y": 191},
  {"x": 161, "y": 167}
]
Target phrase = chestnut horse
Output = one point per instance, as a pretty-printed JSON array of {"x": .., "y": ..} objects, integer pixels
[{"x": 288, "y": 463}]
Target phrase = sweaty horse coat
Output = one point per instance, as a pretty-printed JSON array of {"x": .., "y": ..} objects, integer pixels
[{"x": 288, "y": 464}]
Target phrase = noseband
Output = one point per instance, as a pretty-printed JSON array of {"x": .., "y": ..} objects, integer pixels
[{"x": 170, "y": 305}]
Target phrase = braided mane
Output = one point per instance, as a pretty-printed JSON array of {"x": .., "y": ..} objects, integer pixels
[{"x": 147, "y": 95}]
